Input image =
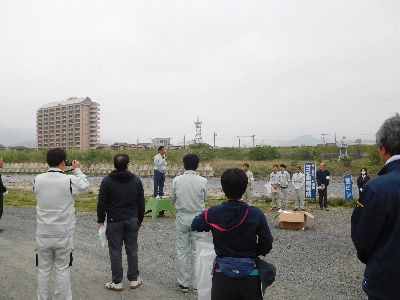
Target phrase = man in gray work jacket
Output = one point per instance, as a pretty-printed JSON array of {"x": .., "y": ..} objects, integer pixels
[
  {"x": 189, "y": 194},
  {"x": 55, "y": 194}
]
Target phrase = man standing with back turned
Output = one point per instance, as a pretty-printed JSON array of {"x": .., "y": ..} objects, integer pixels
[
  {"x": 189, "y": 193},
  {"x": 55, "y": 198},
  {"x": 375, "y": 223},
  {"x": 121, "y": 197}
]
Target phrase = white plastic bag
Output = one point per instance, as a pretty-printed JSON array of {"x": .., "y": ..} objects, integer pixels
[
  {"x": 205, "y": 256},
  {"x": 102, "y": 234},
  {"x": 269, "y": 188}
]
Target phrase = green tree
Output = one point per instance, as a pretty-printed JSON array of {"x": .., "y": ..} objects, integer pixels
[
  {"x": 306, "y": 153},
  {"x": 264, "y": 153}
]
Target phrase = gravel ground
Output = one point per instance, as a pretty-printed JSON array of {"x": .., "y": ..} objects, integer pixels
[
  {"x": 318, "y": 263},
  {"x": 335, "y": 189}
]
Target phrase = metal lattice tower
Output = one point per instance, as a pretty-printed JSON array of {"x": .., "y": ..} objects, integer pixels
[{"x": 198, "y": 139}]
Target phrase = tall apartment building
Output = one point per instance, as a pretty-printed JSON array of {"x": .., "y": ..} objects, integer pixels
[{"x": 69, "y": 124}]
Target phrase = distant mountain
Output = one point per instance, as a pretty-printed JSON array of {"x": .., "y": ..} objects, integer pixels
[
  {"x": 306, "y": 140},
  {"x": 17, "y": 137}
]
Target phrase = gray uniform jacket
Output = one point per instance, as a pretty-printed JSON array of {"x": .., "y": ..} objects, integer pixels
[
  {"x": 189, "y": 193},
  {"x": 55, "y": 199}
]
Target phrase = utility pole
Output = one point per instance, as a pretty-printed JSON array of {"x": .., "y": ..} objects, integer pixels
[
  {"x": 253, "y": 139},
  {"x": 239, "y": 140},
  {"x": 214, "y": 138},
  {"x": 184, "y": 142}
]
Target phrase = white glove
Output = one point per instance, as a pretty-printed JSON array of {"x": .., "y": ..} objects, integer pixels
[
  {"x": 360, "y": 189},
  {"x": 5, "y": 193}
]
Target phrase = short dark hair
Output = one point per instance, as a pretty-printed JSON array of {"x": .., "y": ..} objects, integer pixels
[
  {"x": 234, "y": 183},
  {"x": 366, "y": 171},
  {"x": 283, "y": 166},
  {"x": 246, "y": 164},
  {"x": 191, "y": 162},
  {"x": 56, "y": 156},
  {"x": 275, "y": 165},
  {"x": 121, "y": 161},
  {"x": 388, "y": 135},
  {"x": 298, "y": 167},
  {"x": 160, "y": 148}
]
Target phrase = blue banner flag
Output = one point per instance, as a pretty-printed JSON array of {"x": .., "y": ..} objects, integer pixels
[
  {"x": 310, "y": 191},
  {"x": 348, "y": 187}
]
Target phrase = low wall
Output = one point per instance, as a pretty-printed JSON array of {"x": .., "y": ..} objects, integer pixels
[{"x": 98, "y": 169}]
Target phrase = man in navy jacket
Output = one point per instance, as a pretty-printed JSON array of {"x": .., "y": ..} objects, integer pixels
[
  {"x": 375, "y": 223},
  {"x": 239, "y": 231},
  {"x": 323, "y": 176}
]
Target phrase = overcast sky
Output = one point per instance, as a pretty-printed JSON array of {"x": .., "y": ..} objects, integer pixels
[{"x": 276, "y": 69}]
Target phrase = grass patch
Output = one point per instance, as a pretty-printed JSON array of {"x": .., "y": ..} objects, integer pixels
[
  {"x": 25, "y": 198},
  {"x": 88, "y": 202}
]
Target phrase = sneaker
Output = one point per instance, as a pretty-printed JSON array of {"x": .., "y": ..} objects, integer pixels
[
  {"x": 117, "y": 287},
  {"x": 135, "y": 283},
  {"x": 296, "y": 209},
  {"x": 184, "y": 289},
  {"x": 273, "y": 209},
  {"x": 158, "y": 197},
  {"x": 326, "y": 209}
]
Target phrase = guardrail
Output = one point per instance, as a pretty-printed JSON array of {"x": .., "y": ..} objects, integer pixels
[{"x": 102, "y": 169}]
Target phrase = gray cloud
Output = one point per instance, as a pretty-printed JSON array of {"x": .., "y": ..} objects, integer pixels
[{"x": 276, "y": 68}]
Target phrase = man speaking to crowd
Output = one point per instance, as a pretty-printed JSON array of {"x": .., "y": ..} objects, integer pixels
[{"x": 55, "y": 198}]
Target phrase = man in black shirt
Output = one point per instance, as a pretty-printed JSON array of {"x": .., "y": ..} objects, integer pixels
[
  {"x": 323, "y": 177},
  {"x": 121, "y": 197}
]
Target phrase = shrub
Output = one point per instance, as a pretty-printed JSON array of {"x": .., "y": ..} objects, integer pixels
[
  {"x": 373, "y": 156},
  {"x": 306, "y": 153},
  {"x": 346, "y": 161},
  {"x": 264, "y": 153}
]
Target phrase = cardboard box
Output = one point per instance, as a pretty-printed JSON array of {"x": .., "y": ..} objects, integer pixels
[{"x": 294, "y": 220}]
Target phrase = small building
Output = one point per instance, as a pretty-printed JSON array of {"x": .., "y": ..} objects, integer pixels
[
  {"x": 103, "y": 146},
  {"x": 19, "y": 148},
  {"x": 157, "y": 142},
  {"x": 123, "y": 146},
  {"x": 143, "y": 145}
]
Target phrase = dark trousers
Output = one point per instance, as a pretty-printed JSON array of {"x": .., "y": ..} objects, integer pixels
[
  {"x": 159, "y": 179},
  {"x": 123, "y": 232},
  {"x": 225, "y": 288},
  {"x": 1, "y": 206},
  {"x": 323, "y": 198}
]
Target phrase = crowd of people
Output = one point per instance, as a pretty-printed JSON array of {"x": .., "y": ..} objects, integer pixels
[{"x": 240, "y": 231}]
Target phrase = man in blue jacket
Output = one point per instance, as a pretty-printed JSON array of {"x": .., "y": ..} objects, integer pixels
[{"x": 375, "y": 223}]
